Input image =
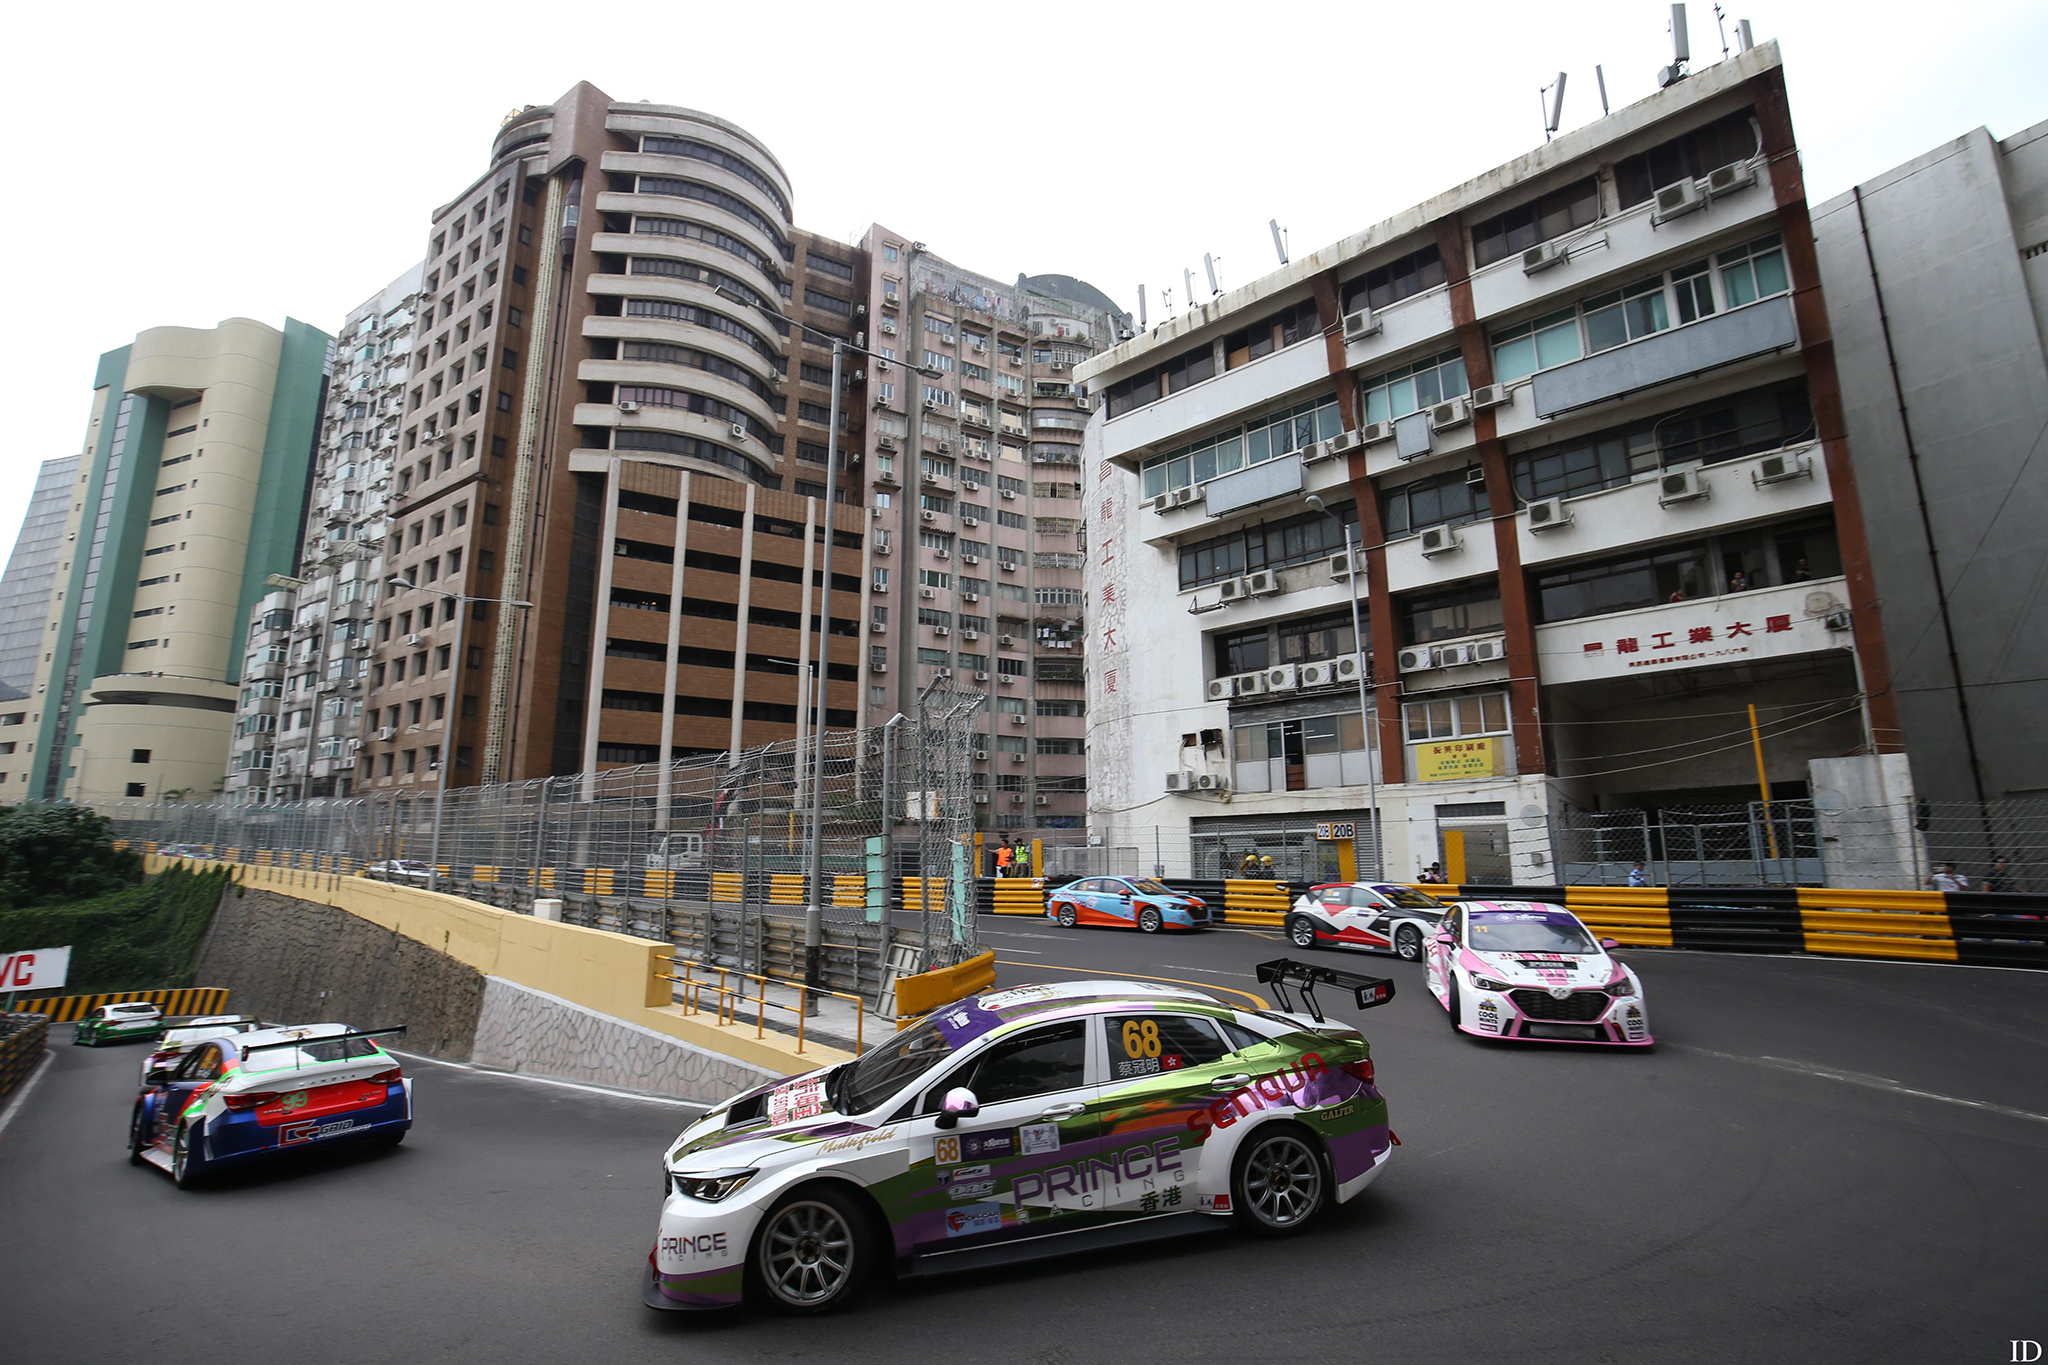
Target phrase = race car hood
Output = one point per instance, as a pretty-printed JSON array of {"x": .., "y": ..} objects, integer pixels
[{"x": 1543, "y": 969}]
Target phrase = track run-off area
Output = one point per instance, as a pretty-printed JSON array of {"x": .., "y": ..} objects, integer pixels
[{"x": 1820, "y": 1161}]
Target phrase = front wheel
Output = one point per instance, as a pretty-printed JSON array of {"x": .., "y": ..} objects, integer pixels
[
  {"x": 1068, "y": 915},
  {"x": 1301, "y": 931},
  {"x": 812, "y": 1251},
  {"x": 1278, "y": 1184},
  {"x": 1148, "y": 921},
  {"x": 1408, "y": 943}
]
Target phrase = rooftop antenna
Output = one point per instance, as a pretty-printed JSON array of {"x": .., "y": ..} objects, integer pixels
[
  {"x": 1743, "y": 41},
  {"x": 1600, "y": 79},
  {"x": 1209, "y": 264},
  {"x": 1721, "y": 27},
  {"x": 1188, "y": 277},
  {"x": 1681, "y": 50},
  {"x": 1141, "y": 307},
  {"x": 1279, "y": 239},
  {"x": 1553, "y": 107},
  {"x": 1166, "y": 301}
]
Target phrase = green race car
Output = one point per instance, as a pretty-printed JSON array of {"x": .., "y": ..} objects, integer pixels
[{"x": 132, "y": 1022}]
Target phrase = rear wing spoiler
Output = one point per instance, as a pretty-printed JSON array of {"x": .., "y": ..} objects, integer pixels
[
  {"x": 398, "y": 1031},
  {"x": 1283, "y": 972}
]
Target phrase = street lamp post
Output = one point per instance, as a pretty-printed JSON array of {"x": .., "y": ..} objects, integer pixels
[
  {"x": 451, "y": 714},
  {"x": 1365, "y": 707}
]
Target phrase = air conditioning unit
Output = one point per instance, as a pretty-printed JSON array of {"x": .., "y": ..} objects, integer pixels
[
  {"x": 1282, "y": 678},
  {"x": 1345, "y": 668},
  {"x": 1547, "y": 514},
  {"x": 1340, "y": 566},
  {"x": 1491, "y": 396},
  {"x": 1372, "y": 433},
  {"x": 981, "y": 675},
  {"x": 1020, "y": 720},
  {"x": 878, "y": 628},
  {"x": 1006, "y": 641},
  {"x": 1008, "y": 566},
  {"x": 1059, "y": 367},
  {"x": 1681, "y": 485},
  {"x": 1318, "y": 451},
  {"x": 970, "y": 522},
  {"x": 981, "y": 798},
  {"x": 386, "y": 733},
  {"x": 1192, "y": 493},
  {"x": 1045, "y": 800},
  {"x": 1016, "y": 798},
  {"x": 1451, "y": 656},
  {"x": 1441, "y": 540},
  {"x": 1728, "y": 179},
  {"x": 981, "y": 755},
  {"x": 945, "y": 447},
  {"x": 969, "y": 633},
  {"x": 1009, "y": 495},
  {"x": 1250, "y": 684},
  {"x": 889, "y": 326},
  {"x": 1489, "y": 651},
  {"x": 415, "y": 639},
  {"x": 885, "y": 443},
  {"x": 361, "y": 646},
  {"x": 1017, "y": 758},
  {"x": 942, "y": 554},
  {"x": 928, "y": 515},
  {"x": 628, "y": 405},
  {"x": 942, "y": 630},
  {"x": 942, "y": 673},
  {"x": 1346, "y": 441},
  {"x": 928, "y": 593},
  {"x": 739, "y": 429},
  {"x": 1210, "y": 782},
  {"x": 1779, "y": 468},
  {"x": 1360, "y": 325},
  {"x": 1475, "y": 477},
  {"x": 1675, "y": 201},
  {"x": 1222, "y": 689},
  {"x": 1264, "y": 583},
  {"x": 1232, "y": 590},
  {"x": 1318, "y": 674},
  {"x": 970, "y": 597},
  {"x": 878, "y": 668},
  {"x": 1452, "y": 412},
  {"x": 931, "y": 405},
  {"x": 1415, "y": 660},
  {"x": 1544, "y": 255},
  {"x": 329, "y": 686}
]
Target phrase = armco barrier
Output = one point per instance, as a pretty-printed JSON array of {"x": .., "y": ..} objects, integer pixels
[
  {"x": 23, "y": 1039},
  {"x": 187, "y": 1000},
  {"x": 925, "y": 992}
]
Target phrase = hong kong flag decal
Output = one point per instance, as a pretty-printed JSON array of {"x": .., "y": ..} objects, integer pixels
[{"x": 1171, "y": 1062}]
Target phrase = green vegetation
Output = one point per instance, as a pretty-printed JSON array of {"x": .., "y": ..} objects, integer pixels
[
  {"x": 138, "y": 938},
  {"x": 52, "y": 853}
]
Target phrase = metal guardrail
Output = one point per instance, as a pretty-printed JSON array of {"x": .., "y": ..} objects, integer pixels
[{"x": 727, "y": 999}]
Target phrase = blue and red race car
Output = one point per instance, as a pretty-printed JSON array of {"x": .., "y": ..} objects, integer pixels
[
  {"x": 1126, "y": 903},
  {"x": 241, "y": 1096}
]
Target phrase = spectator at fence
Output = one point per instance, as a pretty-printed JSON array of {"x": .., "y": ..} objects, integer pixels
[
  {"x": 2000, "y": 877},
  {"x": 1948, "y": 879},
  {"x": 1433, "y": 873},
  {"x": 1022, "y": 861},
  {"x": 1002, "y": 860},
  {"x": 1638, "y": 877}
]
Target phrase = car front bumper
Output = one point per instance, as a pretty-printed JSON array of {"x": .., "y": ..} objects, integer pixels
[
  {"x": 700, "y": 1253},
  {"x": 1624, "y": 1022}
]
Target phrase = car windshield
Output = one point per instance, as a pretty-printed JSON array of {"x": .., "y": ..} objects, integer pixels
[
  {"x": 1147, "y": 886},
  {"x": 1529, "y": 933},
  {"x": 309, "y": 1053},
  {"x": 183, "y": 1037},
  {"x": 889, "y": 1066},
  {"x": 1404, "y": 898}
]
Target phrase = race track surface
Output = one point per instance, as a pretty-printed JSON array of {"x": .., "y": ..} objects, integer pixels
[{"x": 1762, "y": 1187}]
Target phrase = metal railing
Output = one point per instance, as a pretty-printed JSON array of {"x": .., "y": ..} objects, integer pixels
[{"x": 728, "y": 999}]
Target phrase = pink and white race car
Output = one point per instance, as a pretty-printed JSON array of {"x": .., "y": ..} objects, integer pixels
[
  {"x": 1378, "y": 917},
  {"x": 1528, "y": 969}
]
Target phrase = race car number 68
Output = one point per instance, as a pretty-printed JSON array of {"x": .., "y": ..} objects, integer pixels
[{"x": 1141, "y": 1038}]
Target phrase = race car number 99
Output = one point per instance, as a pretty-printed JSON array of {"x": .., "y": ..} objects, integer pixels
[{"x": 1141, "y": 1038}]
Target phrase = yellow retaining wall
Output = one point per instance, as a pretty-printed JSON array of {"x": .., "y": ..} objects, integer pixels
[{"x": 613, "y": 974}]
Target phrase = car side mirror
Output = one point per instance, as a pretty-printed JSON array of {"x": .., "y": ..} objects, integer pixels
[
  {"x": 959, "y": 1104},
  {"x": 157, "y": 1075},
  {"x": 1610, "y": 943}
]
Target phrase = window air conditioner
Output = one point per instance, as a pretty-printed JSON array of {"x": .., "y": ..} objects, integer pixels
[
  {"x": 628, "y": 405},
  {"x": 1232, "y": 590},
  {"x": 1489, "y": 651},
  {"x": 970, "y": 597},
  {"x": 415, "y": 640},
  {"x": 1006, "y": 641},
  {"x": 981, "y": 675},
  {"x": 1210, "y": 782},
  {"x": 1440, "y": 540},
  {"x": 1340, "y": 566},
  {"x": 1544, "y": 255},
  {"x": 1020, "y": 720},
  {"x": 1346, "y": 441},
  {"x": 1681, "y": 485},
  {"x": 1345, "y": 668},
  {"x": 1415, "y": 660},
  {"x": 1728, "y": 179},
  {"x": 1318, "y": 451},
  {"x": 1264, "y": 583},
  {"x": 1360, "y": 325},
  {"x": 739, "y": 430},
  {"x": 1282, "y": 678},
  {"x": 1009, "y": 495},
  {"x": 1192, "y": 493},
  {"x": 1475, "y": 476},
  {"x": 1318, "y": 674},
  {"x": 1222, "y": 689},
  {"x": 1045, "y": 800},
  {"x": 1017, "y": 758},
  {"x": 942, "y": 630},
  {"x": 386, "y": 733},
  {"x": 1250, "y": 684},
  {"x": 1547, "y": 514},
  {"x": 1453, "y": 412},
  {"x": 1491, "y": 396},
  {"x": 1451, "y": 656},
  {"x": 970, "y": 521},
  {"x": 928, "y": 515},
  {"x": 1778, "y": 468},
  {"x": 981, "y": 755},
  {"x": 1372, "y": 433},
  {"x": 928, "y": 593},
  {"x": 1675, "y": 201}
]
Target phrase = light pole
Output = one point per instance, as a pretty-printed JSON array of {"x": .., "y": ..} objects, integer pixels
[
  {"x": 451, "y": 713},
  {"x": 814, "y": 862},
  {"x": 1365, "y": 706}
]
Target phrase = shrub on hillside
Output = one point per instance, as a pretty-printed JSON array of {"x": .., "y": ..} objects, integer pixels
[
  {"x": 138, "y": 938},
  {"x": 51, "y": 853}
]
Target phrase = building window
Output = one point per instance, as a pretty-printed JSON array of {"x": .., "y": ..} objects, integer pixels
[
  {"x": 138, "y": 755},
  {"x": 1448, "y": 614},
  {"x": 1755, "y": 271},
  {"x": 1278, "y": 332},
  {"x": 1766, "y": 418},
  {"x": 1275, "y": 434},
  {"x": 1686, "y": 157},
  {"x": 1396, "y": 280},
  {"x": 1274, "y": 545},
  {"x": 1413, "y": 387},
  {"x": 1540, "y": 220},
  {"x": 136, "y": 789},
  {"x": 1457, "y": 717},
  {"x": 1450, "y": 499}
]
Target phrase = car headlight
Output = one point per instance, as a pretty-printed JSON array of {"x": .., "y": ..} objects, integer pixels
[
  {"x": 1621, "y": 987},
  {"x": 1487, "y": 983},
  {"x": 711, "y": 1186}
]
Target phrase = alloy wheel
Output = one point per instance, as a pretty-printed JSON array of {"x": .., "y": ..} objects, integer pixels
[
  {"x": 807, "y": 1254},
  {"x": 1283, "y": 1181}
]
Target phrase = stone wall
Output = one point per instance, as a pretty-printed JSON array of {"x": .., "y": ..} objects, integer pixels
[
  {"x": 530, "y": 1031},
  {"x": 292, "y": 961}
]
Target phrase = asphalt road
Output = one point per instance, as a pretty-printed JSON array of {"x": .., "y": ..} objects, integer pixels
[{"x": 1822, "y": 1161}]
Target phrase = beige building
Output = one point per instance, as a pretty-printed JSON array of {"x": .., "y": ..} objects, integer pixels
[{"x": 190, "y": 494}]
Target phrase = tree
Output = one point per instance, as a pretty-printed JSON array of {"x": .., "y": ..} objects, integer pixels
[{"x": 51, "y": 853}]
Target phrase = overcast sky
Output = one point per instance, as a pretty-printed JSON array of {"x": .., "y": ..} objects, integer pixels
[{"x": 183, "y": 164}]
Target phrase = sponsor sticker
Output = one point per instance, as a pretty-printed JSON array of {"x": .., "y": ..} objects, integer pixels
[
  {"x": 999, "y": 1145},
  {"x": 689, "y": 1248},
  {"x": 961, "y": 1024},
  {"x": 293, "y": 1133},
  {"x": 945, "y": 1151},
  {"x": 1034, "y": 1138},
  {"x": 800, "y": 1100},
  {"x": 1632, "y": 1023},
  {"x": 971, "y": 1189},
  {"x": 967, "y": 1172},
  {"x": 1213, "y": 1203},
  {"x": 965, "y": 1222},
  {"x": 1339, "y": 1112},
  {"x": 1019, "y": 995},
  {"x": 1488, "y": 1016}
]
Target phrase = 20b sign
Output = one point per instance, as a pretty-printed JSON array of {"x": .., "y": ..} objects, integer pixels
[{"x": 1330, "y": 831}]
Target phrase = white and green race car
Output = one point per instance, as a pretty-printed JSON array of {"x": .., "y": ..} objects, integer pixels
[{"x": 130, "y": 1022}]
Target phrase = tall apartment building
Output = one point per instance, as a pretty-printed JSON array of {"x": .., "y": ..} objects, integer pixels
[
  {"x": 189, "y": 495},
  {"x": 1937, "y": 285},
  {"x": 1582, "y": 413},
  {"x": 299, "y": 718},
  {"x": 974, "y": 467},
  {"x": 613, "y": 412},
  {"x": 32, "y": 572}
]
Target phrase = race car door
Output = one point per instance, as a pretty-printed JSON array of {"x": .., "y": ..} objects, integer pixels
[
  {"x": 1161, "y": 1067},
  {"x": 1036, "y": 1111},
  {"x": 197, "y": 1070},
  {"x": 1441, "y": 947},
  {"x": 1086, "y": 896}
]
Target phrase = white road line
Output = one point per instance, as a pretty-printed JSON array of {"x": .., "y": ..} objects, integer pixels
[
  {"x": 549, "y": 1080},
  {"x": 1868, "y": 1082},
  {"x": 1028, "y": 952},
  {"x": 20, "y": 1101}
]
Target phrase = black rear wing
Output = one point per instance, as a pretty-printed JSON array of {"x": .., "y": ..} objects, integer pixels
[
  {"x": 1283, "y": 972},
  {"x": 398, "y": 1031}
]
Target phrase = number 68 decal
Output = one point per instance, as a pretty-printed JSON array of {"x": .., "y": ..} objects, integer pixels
[{"x": 1141, "y": 1038}]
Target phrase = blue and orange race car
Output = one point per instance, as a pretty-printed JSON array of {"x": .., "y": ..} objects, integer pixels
[
  {"x": 246, "y": 1095},
  {"x": 1128, "y": 902}
]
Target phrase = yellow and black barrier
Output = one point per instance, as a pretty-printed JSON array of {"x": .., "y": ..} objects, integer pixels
[
  {"x": 927, "y": 991},
  {"x": 184, "y": 1000},
  {"x": 1017, "y": 896},
  {"x": 1255, "y": 902}
]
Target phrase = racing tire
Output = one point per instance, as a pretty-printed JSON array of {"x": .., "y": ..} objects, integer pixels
[
  {"x": 1279, "y": 1181},
  {"x": 1408, "y": 943},
  {"x": 1301, "y": 931},
  {"x": 137, "y": 1137},
  {"x": 1069, "y": 917},
  {"x": 1148, "y": 920},
  {"x": 1452, "y": 1005},
  {"x": 812, "y": 1252},
  {"x": 188, "y": 1168}
]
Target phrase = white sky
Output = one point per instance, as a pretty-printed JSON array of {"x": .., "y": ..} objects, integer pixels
[{"x": 183, "y": 164}]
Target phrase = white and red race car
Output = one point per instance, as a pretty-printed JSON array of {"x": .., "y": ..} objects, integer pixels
[
  {"x": 1530, "y": 969},
  {"x": 1379, "y": 917}
]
